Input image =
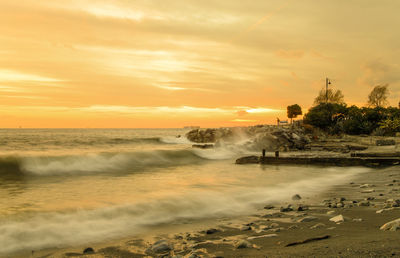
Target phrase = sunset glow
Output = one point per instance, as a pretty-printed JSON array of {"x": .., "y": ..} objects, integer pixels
[{"x": 171, "y": 63}]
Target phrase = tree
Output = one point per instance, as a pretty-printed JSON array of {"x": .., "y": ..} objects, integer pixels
[
  {"x": 293, "y": 111},
  {"x": 334, "y": 96},
  {"x": 378, "y": 96},
  {"x": 323, "y": 115}
]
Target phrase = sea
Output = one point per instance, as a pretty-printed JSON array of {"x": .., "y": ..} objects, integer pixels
[{"x": 68, "y": 187}]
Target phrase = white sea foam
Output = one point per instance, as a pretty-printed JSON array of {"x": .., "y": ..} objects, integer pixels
[{"x": 45, "y": 230}]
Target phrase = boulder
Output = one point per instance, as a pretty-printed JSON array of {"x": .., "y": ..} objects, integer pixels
[{"x": 393, "y": 225}]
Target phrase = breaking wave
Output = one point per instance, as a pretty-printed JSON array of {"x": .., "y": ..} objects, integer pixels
[
  {"x": 86, "y": 226},
  {"x": 96, "y": 162}
]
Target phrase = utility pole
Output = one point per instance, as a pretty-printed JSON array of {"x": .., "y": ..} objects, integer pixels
[{"x": 327, "y": 82}]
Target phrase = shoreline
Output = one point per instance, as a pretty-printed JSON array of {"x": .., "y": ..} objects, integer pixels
[{"x": 268, "y": 231}]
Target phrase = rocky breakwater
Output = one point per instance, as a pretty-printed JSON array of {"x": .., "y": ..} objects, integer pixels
[{"x": 254, "y": 138}]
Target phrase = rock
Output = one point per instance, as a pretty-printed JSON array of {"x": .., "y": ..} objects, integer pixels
[
  {"x": 275, "y": 230},
  {"x": 287, "y": 208},
  {"x": 159, "y": 247},
  {"x": 245, "y": 228},
  {"x": 274, "y": 225},
  {"x": 357, "y": 220},
  {"x": 203, "y": 146},
  {"x": 365, "y": 186},
  {"x": 243, "y": 244},
  {"x": 307, "y": 219},
  {"x": 330, "y": 212},
  {"x": 269, "y": 207},
  {"x": 392, "y": 225},
  {"x": 384, "y": 142},
  {"x": 88, "y": 250},
  {"x": 262, "y": 236},
  {"x": 302, "y": 208},
  {"x": 296, "y": 197},
  {"x": 317, "y": 226},
  {"x": 248, "y": 160},
  {"x": 368, "y": 191},
  {"x": 293, "y": 227},
  {"x": 363, "y": 203},
  {"x": 337, "y": 219},
  {"x": 212, "y": 231}
]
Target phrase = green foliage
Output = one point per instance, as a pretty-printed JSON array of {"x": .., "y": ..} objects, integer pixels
[
  {"x": 390, "y": 125},
  {"x": 335, "y": 118},
  {"x": 293, "y": 111},
  {"x": 324, "y": 115}
]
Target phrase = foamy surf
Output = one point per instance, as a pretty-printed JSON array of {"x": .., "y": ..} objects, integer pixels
[{"x": 60, "y": 229}]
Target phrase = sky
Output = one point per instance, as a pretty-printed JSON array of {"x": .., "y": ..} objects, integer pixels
[{"x": 174, "y": 63}]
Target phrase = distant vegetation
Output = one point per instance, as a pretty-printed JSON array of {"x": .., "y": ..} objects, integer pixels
[
  {"x": 293, "y": 111},
  {"x": 336, "y": 117}
]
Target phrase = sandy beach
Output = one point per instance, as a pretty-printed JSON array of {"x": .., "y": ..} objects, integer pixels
[{"x": 297, "y": 228}]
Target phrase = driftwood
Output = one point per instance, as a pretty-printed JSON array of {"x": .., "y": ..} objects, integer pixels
[{"x": 309, "y": 240}]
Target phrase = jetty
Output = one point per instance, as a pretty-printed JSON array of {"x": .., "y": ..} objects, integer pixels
[{"x": 327, "y": 161}]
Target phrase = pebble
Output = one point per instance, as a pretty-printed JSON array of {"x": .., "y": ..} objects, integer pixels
[
  {"x": 262, "y": 236},
  {"x": 330, "y": 212},
  {"x": 317, "y": 226},
  {"x": 337, "y": 219},
  {"x": 243, "y": 244},
  {"x": 364, "y": 203},
  {"x": 308, "y": 219},
  {"x": 368, "y": 191},
  {"x": 287, "y": 208},
  {"x": 212, "y": 231},
  {"x": 393, "y": 225},
  {"x": 161, "y": 246}
]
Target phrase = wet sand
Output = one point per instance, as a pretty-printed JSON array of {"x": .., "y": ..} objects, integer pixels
[{"x": 275, "y": 231}]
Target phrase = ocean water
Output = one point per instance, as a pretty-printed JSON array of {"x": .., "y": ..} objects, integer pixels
[{"x": 66, "y": 187}]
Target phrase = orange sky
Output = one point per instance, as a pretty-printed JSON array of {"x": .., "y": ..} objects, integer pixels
[{"x": 141, "y": 63}]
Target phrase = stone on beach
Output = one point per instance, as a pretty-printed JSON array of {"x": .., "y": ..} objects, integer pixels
[
  {"x": 337, "y": 219},
  {"x": 308, "y": 219},
  {"x": 393, "y": 225},
  {"x": 88, "y": 250},
  {"x": 159, "y": 247},
  {"x": 317, "y": 226},
  {"x": 212, "y": 231},
  {"x": 287, "y": 208},
  {"x": 243, "y": 244},
  {"x": 262, "y": 236}
]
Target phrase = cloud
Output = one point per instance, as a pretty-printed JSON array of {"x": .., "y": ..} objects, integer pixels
[
  {"x": 290, "y": 54},
  {"x": 242, "y": 113},
  {"x": 376, "y": 72}
]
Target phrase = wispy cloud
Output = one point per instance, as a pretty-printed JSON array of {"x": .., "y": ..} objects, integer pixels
[{"x": 10, "y": 75}]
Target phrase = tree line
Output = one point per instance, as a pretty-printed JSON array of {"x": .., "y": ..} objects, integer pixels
[{"x": 331, "y": 114}]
